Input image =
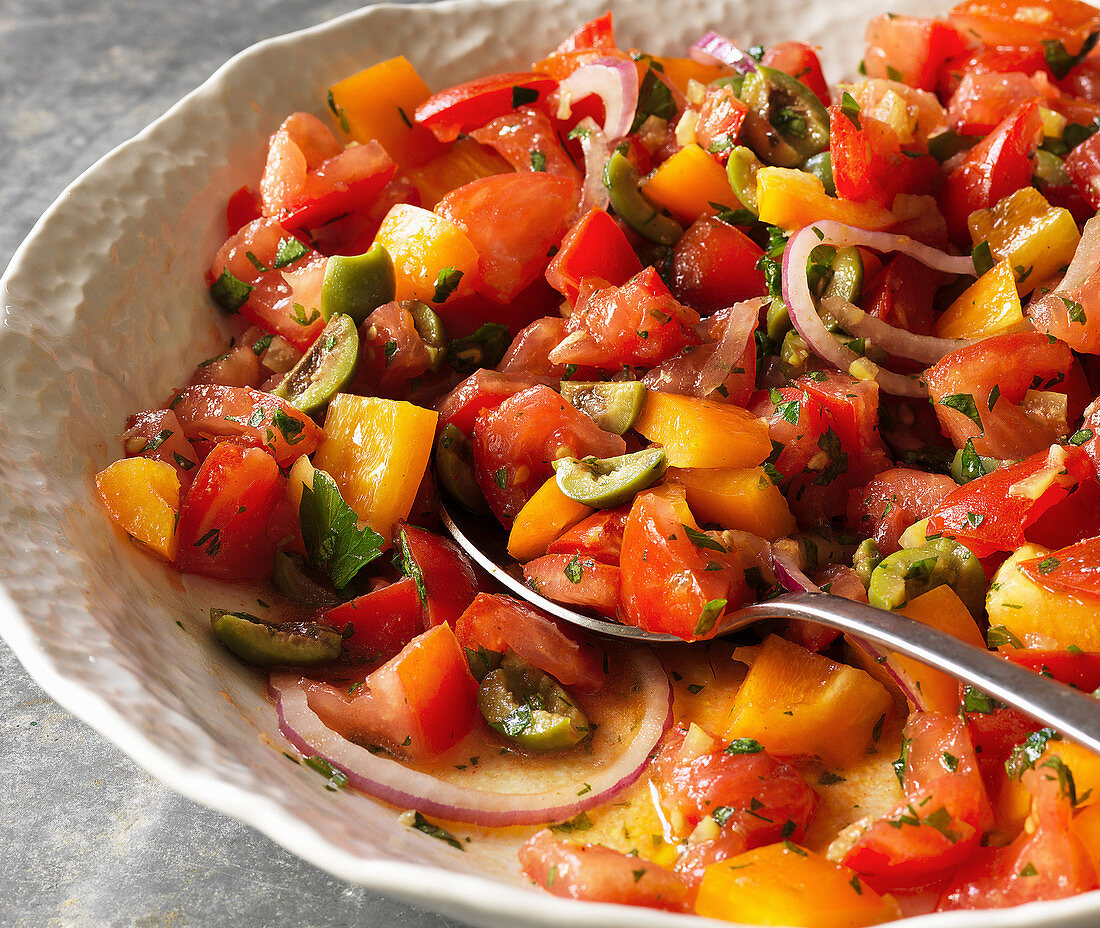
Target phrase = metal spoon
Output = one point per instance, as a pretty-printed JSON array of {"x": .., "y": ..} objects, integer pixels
[{"x": 1073, "y": 714}]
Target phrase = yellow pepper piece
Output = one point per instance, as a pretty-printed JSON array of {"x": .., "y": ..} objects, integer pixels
[
  {"x": 797, "y": 702},
  {"x": 465, "y": 161},
  {"x": 142, "y": 497},
  {"x": 1086, "y": 825},
  {"x": 679, "y": 71},
  {"x": 1037, "y": 239},
  {"x": 427, "y": 250},
  {"x": 379, "y": 103},
  {"x": 783, "y": 884},
  {"x": 989, "y": 306},
  {"x": 1014, "y": 802},
  {"x": 793, "y": 199},
  {"x": 688, "y": 183},
  {"x": 742, "y": 498},
  {"x": 1040, "y": 618},
  {"x": 542, "y": 519},
  {"x": 702, "y": 433},
  {"x": 376, "y": 451},
  {"x": 940, "y": 608}
]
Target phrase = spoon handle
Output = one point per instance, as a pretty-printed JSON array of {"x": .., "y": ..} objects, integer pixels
[{"x": 1073, "y": 714}]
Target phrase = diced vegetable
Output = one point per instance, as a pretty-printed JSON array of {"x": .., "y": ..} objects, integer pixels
[
  {"x": 142, "y": 497},
  {"x": 702, "y": 433}
]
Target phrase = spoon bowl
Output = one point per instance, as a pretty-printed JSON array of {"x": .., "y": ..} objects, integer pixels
[{"x": 1073, "y": 714}]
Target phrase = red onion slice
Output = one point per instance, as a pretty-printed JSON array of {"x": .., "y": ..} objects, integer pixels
[
  {"x": 597, "y": 151},
  {"x": 790, "y": 576},
  {"x": 716, "y": 49},
  {"x": 800, "y": 303},
  {"x": 614, "y": 81},
  {"x": 603, "y": 772},
  {"x": 1086, "y": 259},
  {"x": 736, "y": 323}
]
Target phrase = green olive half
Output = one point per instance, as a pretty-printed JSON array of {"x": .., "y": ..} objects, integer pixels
[
  {"x": 604, "y": 483},
  {"x": 299, "y": 583},
  {"x": 866, "y": 558},
  {"x": 292, "y": 644},
  {"x": 325, "y": 369},
  {"x": 614, "y": 407},
  {"x": 786, "y": 123},
  {"x": 356, "y": 285},
  {"x": 530, "y": 708},
  {"x": 631, "y": 207},
  {"x": 454, "y": 466},
  {"x": 430, "y": 328},
  {"x": 741, "y": 171},
  {"x": 906, "y": 574}
]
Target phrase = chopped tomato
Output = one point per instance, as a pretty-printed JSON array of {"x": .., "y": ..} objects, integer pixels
[
  {"x": 910, "y": 50},
  {"x": 392, "y": 352},
  {"x": 940, "y": 822},
  {"x": 1083, "y": 168},
  {"x": 527, "y": 141},
  {"x": 800, "y": 61},
  {"x": 902, "y": 293},
  {"x": 715, "y": 265},
  {"x": 598, "y": 34},
  {"x": 571, "y": 578},
  {"x": 243, "y": 207},
  {"x": 869, "y": 164},
  {"x": 381, "y": 622},
  {"x": 419, "y": 704},
  {"x": 669, "y": 583},
  {"x": 719, "y": 122},
  {"x": 639, "y": 323},
  {"x": 224, "y": 516},
  {"x": 500, "y": 623},
  {"x": 997, "y": 166},
  {"x": 1026, "y": 22},
  {"x": 516, "y": 443},
  {"x": 247, "y": 417},
  {"x": 993, "y": 513},
  {"x": 600, "y": 536},
  {"x": 480, "y": 393},
  {"x": 528, "y": 353},
  {"x": 157, "y": 434},
  {"x": 894, "y": 500},
  {"x": 596, "y": 873},
  {"x": 471, "y": 105},
  {"x": 595, "y": 247},
  {"x": 1075, "y": 569},
  {"x": 445, "y": 579},
  {"x": 983, "y": 98}
]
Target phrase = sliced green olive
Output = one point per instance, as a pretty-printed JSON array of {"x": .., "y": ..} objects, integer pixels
[
  {"x": 294, "y": 578},
  {"x": 325, "y": 369},
  {"x": 291, "y": 644},
  {"x": 949, "y": 143},
  {"x": 741, "y": 172},
  {"x": 846, "y": 279},
  {"x": 529, "y": 708},
  {"x": 1050, "y": 170},
  {"x": 786, "y": 123},
  {"x": 483, "y": 348},
  {"x": 430, "y": 328},
  {"x": 793, "y": 355},
  {"x": 604, "y": 483},
  {"x": 822, "y": 547},
  {"x": 821, "y": 166},
  {"x": 632, "y": 207},
  {"x": 454, "y": 466},
  {"x": 614, "y": 407},
  {"x": 866, "y": 559},
  {"x": 908, "y": 573},
  {"x": 968, "y": 465},
  {"x": 777, "y": 320},
  {"x": 356, "y": 285}
]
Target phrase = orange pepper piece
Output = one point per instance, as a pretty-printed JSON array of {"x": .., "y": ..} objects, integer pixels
[{"x": 142, "y": 497}]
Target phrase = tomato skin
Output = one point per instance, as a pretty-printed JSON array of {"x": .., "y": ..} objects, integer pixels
[
  {"x": 983, "y": 98},
  {"x": 667, "y": 582},
  {"x": 382, "y": 622},
  {"x": 247, "y": 417},
  {"x": 714, "y": 265},
  {"x": 599, "y": 874},
  {"x": 1083, "y": 168},
  {"x": 596, "y": 586},
  {"x": 1004, "y": 516},
  {"x": 144, "y": 436},
  {"x": 472, "y": 104},
  {"x": 598, "y": 34},
  {"x": 1016, "y": 23},
  {"x": 594, "y": 247},
  {"x": 223, "y": 519},
  {"x": 1076, "y": 570},
  {"x": 243, "y": 207},
  {"x": 606, "y": 327},
  {"x": 917, "y": 49},
  {"x": 800, "y": 61},
  {"x": 600, "y": 536},
  {"x": 902, "y": 293},
  {"x": 500, "y": 623},
  {"x": 480, "y": 393},
  {"x": 446, "y": 574},
  {"x": 720, "y": 118},
  {"x": 512, "y": 220},
  {"x": 894, "y": 500},
  {"x": 515, "y": 444},
  {"x": 868, "y": 162},
  {"x": 517, "y": 137},
  {"x": 995, "y": 167}
]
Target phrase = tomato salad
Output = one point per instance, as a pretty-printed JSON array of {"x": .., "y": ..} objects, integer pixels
[{"x": 694, "y": 331}]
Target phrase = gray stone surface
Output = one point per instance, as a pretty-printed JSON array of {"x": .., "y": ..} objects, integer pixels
[{"x": 87, "y": 839}]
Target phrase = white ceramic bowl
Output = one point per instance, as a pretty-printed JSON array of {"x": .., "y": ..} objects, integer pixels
[{"x": 105, "y": 310}]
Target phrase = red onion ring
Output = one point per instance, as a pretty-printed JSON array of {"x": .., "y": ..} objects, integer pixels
[
  {"x": 716, "y": 49},
  {"x": 800, "y": 304},
  {"x": 597, "y": 150},
  {"x": 614, "y": 81},
  {"x": 790, "y": 576},
  {"x": 391, "y": 781}
]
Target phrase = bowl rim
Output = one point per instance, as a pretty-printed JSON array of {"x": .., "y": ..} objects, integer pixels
[{"x": 470, "y": 897}]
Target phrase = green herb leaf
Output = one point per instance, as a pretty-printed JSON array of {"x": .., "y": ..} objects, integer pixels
[
  {"x": 574, "y": 570},
  {"x": 983, "y": 258},
  {"x": 446, "y": 282},
  {"x": 711, "y": 611},
  {"x": 1080, "y": 436},
  {"x": 702, "y": 539},
  {"x": 337, "y": 779},
  {"x": 1060, "y": 61},
  {"x": 998, "y": 636},
  {"x": 578, "y": 823},
  {"x": 850, "y": 108},
  {"x": 538, "y": 160},
  {"x": 290, "y": 250},
  {"x": 432, "y": 830},
  {"x": 744, "y": 746},
  {"x": 484, "y": 348},
  {"x": 334, "y": 542},
  {"x": 229, "y": 292},
  {"x": 654, "y": 99},
  {"x": 964, "y": 403}
]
